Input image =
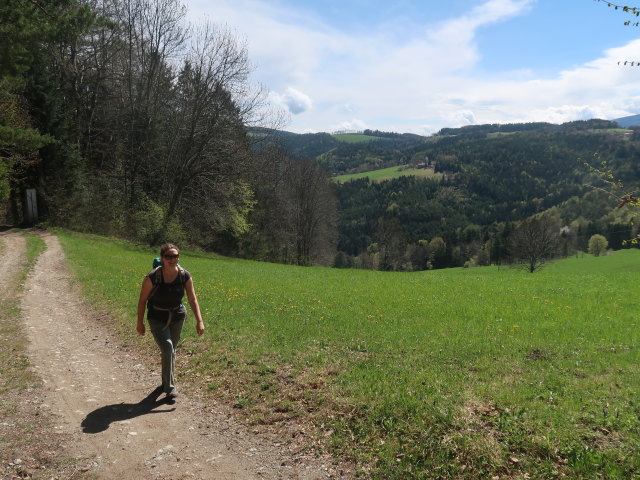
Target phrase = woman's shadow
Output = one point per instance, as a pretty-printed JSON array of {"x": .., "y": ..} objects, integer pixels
[{"x": 100, "y": 419}]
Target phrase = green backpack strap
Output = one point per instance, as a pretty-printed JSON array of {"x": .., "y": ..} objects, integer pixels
[{"x": 156, "y": 279}]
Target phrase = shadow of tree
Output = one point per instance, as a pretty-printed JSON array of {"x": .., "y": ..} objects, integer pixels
[{"x": 100, "y": 419}]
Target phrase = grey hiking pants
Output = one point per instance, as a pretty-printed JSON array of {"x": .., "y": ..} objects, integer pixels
[{"x": 167, "y": 338}]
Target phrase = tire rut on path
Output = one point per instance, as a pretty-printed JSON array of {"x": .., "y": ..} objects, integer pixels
[
  {"x": 13, "y": 249},
  {"x": 100, "y": 395}
]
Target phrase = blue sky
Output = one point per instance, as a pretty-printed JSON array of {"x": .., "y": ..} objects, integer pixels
[{"x": 417, "y": 66}]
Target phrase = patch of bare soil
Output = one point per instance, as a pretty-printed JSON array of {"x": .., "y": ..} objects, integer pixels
[{"x": 107, "y": 418}]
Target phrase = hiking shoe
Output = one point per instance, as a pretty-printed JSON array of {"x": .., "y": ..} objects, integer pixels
[{"x": 172, "y": 395}]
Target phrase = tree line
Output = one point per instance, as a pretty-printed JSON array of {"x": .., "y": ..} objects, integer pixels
[{"x": 128, "y": 121}]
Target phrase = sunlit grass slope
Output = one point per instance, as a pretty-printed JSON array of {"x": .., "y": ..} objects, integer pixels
[
  {"x": 389, "y": 173},
  {"x": 462, "y": 373},
  {"x": 355, "y": 137}
]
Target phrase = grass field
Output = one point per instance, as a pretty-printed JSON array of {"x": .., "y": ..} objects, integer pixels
[
  {"x": 389, "y": 173},
  {"x": 355, "y": 137},
  {"x": 462, "y": 373}
]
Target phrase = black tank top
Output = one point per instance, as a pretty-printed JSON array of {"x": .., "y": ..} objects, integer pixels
[{"x": 167, "y": 295}]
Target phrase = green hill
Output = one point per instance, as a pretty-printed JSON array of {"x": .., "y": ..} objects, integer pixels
[
  {"x": 341, "y": 145},
  {"x": 471, "y": 373},
  {"x": 491, "y": 176}
]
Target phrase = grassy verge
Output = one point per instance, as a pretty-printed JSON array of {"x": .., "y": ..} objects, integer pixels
[{"x": 463, "y": 373}]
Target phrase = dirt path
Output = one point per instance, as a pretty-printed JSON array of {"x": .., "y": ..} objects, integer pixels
[{"x": 102, "y": 398}]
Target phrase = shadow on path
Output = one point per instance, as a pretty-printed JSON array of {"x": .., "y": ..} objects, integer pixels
[{"x": 100, "y": 419}]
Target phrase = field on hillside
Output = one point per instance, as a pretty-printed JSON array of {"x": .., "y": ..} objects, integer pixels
[
  {"x": 389, "y": 173},
  {"x": 355, "y": 137},
  {"x": 463, "y": 373}
]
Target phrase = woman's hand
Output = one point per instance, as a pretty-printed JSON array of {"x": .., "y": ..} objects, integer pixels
[
  {"x": 145, "y": 291},
  {"x": 195, "y": 307}
]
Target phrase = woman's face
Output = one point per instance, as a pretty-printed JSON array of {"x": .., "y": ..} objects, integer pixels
[{"x": 170, "y": 257}]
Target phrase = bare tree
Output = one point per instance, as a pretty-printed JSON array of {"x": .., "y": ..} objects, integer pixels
[
  {"x": 270, "y": 238},
  {"x": 312, "y": 212},
  {"x": 295, "y": 220},
  {"x": 153, "y": 36},
  {"x": 203, "y": 168},
  {"x": 535, "y": 242}
]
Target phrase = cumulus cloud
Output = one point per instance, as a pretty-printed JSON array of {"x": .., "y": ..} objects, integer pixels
[
  {"x": 465, "y": 117},
  {"x": 353, "y": 124},
  {"x": 293, "y": 100},
  {"x": 567, "y": 113},
  {"x": 598, "y": 89}
]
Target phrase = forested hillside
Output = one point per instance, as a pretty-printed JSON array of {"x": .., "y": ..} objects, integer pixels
[
  {"x": 494, "y": 176},
  {"x": 126, "y": 121}
]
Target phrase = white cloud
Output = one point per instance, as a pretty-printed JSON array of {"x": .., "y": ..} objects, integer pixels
[
  {"x": 465, "y": 117},
  {"x": 352, "y": 124},
  {"x": 293, "y": 100},
  {"x": 458, "y": 33},
  {"x": 597, "y": 89}
]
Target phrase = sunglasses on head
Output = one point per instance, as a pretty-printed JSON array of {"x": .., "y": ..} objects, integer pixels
[{"x": 171, "y": 257}]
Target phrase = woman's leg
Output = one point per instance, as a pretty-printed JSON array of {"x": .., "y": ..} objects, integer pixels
[
  {"x": 175, "y": 329},
  {"x": 164, "y": 337}
]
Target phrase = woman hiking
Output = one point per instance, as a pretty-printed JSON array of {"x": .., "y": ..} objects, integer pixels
[{"x": 162, "y": 291}]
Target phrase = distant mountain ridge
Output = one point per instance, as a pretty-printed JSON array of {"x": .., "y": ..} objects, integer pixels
[
  {"x": 630, "y": 121},
  {"x": 339, "y": 157}
]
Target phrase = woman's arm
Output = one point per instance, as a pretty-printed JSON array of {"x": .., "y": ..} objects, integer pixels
[
  {"x": 145, "y": 291},
  {"x": 195, "y": 307}
]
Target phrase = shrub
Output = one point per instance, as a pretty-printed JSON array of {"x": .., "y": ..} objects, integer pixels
[{"x": 598, "y": 245}]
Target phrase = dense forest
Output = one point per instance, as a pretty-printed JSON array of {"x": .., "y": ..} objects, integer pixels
[{"x": 126, "y": 121}]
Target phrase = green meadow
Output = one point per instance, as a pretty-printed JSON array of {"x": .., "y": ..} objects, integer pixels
[
  {"x": 388, "y": 173},
  {"x": 355, "y": 137},
  {"x": 462, "y": 373}
]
